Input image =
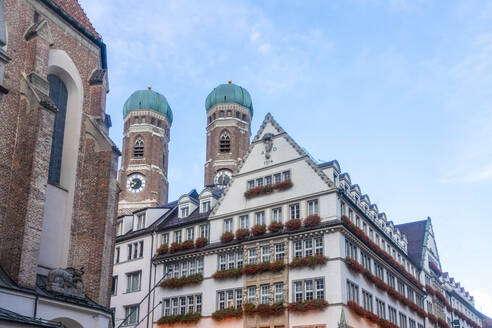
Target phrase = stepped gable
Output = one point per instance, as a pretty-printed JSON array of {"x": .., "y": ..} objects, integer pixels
[
  {"x": 415, "y": 232},
  {"x": 73, "y": 9}
]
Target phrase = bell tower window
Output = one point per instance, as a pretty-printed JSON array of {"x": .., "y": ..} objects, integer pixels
[
  {"x": 138, "y": 149},
  {"x": 225, "y": 143}
]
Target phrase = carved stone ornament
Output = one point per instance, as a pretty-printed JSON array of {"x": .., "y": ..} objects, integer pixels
[
  {"x": 67, "y": 282},
  {"x": 268, "y": 141}
]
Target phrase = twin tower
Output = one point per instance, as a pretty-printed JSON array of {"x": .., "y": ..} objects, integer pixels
[{"x": 147, "y": 124}]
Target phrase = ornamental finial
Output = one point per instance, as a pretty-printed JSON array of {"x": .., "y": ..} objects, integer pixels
[
  {"x": 230, "y": 81},
  {"x": 149, "y": 87}
]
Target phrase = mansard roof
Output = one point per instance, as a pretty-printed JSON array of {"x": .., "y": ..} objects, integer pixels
[
  {"x": 415, "y": 232},
  {"x": 173, "y": 221}
]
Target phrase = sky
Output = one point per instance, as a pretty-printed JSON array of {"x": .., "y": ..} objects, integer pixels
[{"x": 399, "y": 92}]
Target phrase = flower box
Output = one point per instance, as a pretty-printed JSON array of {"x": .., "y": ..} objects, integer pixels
[
  {"x": 241, "y": 234},
  {"x": 252, "y": 269},
  {"x": 258, "y": 229},
  {"x": 312, "y": 220},
  {"x": 201, "y": 242},
  {"x": 227, "y": 313},
  {"x": 311, "y": 305},
  {"x": 228, "y": 274},
  {"x": 275, "y": 226},
  {"x": 249, "y": 308},
  {"x": 187, "y": 244},
  {"x": 163, "y": 249},
  {"x": 308, "y": 261},
  {"x": 190, "y": 317},
  {"x": 293, "y": 224},
  {"x": 284, "y": 185},
  {"x": 266, "y": 310},
  {"x": 175, "y": 247},
  {"x": 263, "y": 190},
  {"x": 356, "y": 308},
  {"x": 183, "y": 281},
  {"x": 227, "y": 237}
]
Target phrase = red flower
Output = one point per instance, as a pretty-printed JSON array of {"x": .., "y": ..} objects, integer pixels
[
  {"x": 180, "y": 318},
  {"x": 316, "y": 304},
  {"x": 201, "y": 242},
  {"x": 258, "y": 229},
  {"x": 241, "y": 234},
  {"x": 175, "y": 247},
  {"x": 356, "y": 308},
  {"x": 293, "y": 224},
  {"x": 188, "y": 244},
  {"x": 228, "y": 274},
  {"x": 312, "y": 220},
  {"x": 249, "y": 308},
  {"x": 252, "y": 269},
  {"x": 275, "y": 226},
  {"x": 262, "y": 190},
  {"x": 284, "y": 185},
  {"x": 227, "y": 237},
  {"x": 163, "y": 249},
  {"x": 310, "y": 261},
  {"x": 183, "y": 281},
  {"x": 227, "y": 313}
]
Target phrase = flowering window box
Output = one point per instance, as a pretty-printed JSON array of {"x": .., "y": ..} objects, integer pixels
[
  {"x": 201, "y": 242},
  {"x": 227, "y": 313},
  {"x": 228, "y": 274},
  {"x": 293, "y": 224},
  {"x": 308, "y": 261},
  {"x": 187, "y": 244},
  {"x": 227, "y": 237},
  {"x": 175, "y": 247},
  {"x": 275, "y": 226},
  {"x": 264, "y": 310},
  {"x": 242, "y": 234},
  {"x": 183, "y": 281},
  {"x": 312, "y": 220},
  {"x": 258, "y": 229},
  {"x": 163, "y": 249},
  {"x": 252, "y": 269},
  {"x": 191, "y": 317},
  {"x": 263, "y": 190},
  {"x": 311, "y": 305}
]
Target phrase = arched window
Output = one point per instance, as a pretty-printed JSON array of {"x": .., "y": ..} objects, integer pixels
[
  {"x": 58, "y": 93},
  {"x": 225, "y": 143},
  {"x": 138, "y": 149}
]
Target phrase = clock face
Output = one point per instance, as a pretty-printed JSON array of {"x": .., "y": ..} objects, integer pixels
[
  {"x": 135, "y": 183},
  {"x": 222, "y": 178}
]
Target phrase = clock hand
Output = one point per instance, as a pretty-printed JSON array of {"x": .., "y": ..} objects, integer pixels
[{"x": 132, "y": 184}]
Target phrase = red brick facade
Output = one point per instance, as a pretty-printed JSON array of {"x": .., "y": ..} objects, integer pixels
[
  {"x": 26, "y": 128},
  {"x": 239, "y": 131},
  {"x": 153, "y": 165}
]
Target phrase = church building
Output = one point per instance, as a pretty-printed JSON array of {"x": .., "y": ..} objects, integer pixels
[
  {"x": 58, "y": 168},
  {"x": 273, "y": 238}
]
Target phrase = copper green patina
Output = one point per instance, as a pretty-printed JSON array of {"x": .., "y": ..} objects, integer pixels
[
  {"x": 148, "y": 100},
  {"x": 229, "y": 93}
]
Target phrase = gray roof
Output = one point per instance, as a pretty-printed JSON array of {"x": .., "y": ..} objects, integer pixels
[{"x": 415, "y": 232}]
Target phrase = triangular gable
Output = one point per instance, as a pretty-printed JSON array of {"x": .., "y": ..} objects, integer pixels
[
  {"x": 261, "y": 158},
  {"x": 430, "y": 246}
]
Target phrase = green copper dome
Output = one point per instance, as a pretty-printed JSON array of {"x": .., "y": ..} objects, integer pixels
[
  {"x": 148, "y": 99},
  {"x": 229, "y": 93}
]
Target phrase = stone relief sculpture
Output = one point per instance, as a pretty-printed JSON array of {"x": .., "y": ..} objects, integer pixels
[{"x": 66, "y": 281}]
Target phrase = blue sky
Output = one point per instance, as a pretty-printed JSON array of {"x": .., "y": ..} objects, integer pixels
[{"x": 399, "y": 92}]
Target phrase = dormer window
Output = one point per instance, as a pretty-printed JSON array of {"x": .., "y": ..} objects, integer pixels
[
  {"x": 119, "y": 228},
  {"x": 140, "y": 221},
  {"x": 205, "y": 206},
  {"x": 185, "y": 211}
]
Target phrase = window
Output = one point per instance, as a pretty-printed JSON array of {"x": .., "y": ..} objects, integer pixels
[
  {"x": 313, "y": 207},
  {"x": 286, "y": 175},
  {"x": 152, "y": 121},
  {"x": 265, "y": 294},
  {"x": 391, "y": 279},
  {"x": 190, "y": 233},
  {"x": 138, "y": 148},
  {"x": 403, "y": 321},
  {"x": 185, "y": 211},
  {"x": 133, "y": 281},
  {"x": 228, "y": 225},
  {"x": 342, "y": 207},
  {"x": 279, "y": 293},
  {"x": 260, "y": 218},
  {"x": 279, "y": 252},
  {"x": 298, "y": 248},
  {"x": 204, "y": 231},
  {"x": 268, "y": 180},
  {"x": 182, "y": 305},
  {"x": 350, "y": 249},
  {"x": 277, "y": 178},
  {"x": 294, "y": 211},
  {"x": 367, "y": 300},
  {"x": 143, "y": 119},
  {"x": 238, "y": 115},
  {"x": 177, "y": 236},
  {"x": 307, "y": 246},
  {"x": 184, "y": 268},
  {"x": 392, "y": 315},
  {"x": 252, "y": 294},
  {"x": 244, "y": 117},
  {"x": 221, "y": 113},
  {"x": 401, "y": 287},
  {"x": 229, "y": 298},
  {"x": 380, "y": 308},
  {"x": 222, "y": 261},
  {"x": 277, "y": 214},
  {"x": 244, "y": 222},
  {"x": 351, "y": 214},
  {"x": 225, "y": 143},
  {"x": 429, "y": 307},
  {"x": 352, "y": 292},
  {"x": 366, "y": 261},
  {"x": 379, "y": 270},
  {"x": 119, "y": 228},
  {"x": 165, "y": 238},
  {"x": 135, "y": 250},
  {"x": 59, "y": 95},
  {"x": 230, "y": 260},
  {"x": 140, "y": 221},
  {"x": 265, "y": 253},
  {"x": 318, "y": 245},
  {"x": 309, "y": 289},
  {"x": 411, "y": 323},
  {"x": 131, "y": 313},
  {"x": 136, "y": 120},
  {"x": 252, "y": 256},
  {"x": 259, "y": 182},
  {"x": 117, "y": 255},
  {"x": 229, "y": 113},
  {"x": 251, "y": 184},
  {"x": 159, "y": 123},
  {"x": 420, "y": 300},
  {"x": 205, "y": 206},
  {"x": 114, "y": 286}
]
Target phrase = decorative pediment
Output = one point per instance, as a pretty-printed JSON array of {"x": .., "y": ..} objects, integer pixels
[{"x": 41, "y": 29}]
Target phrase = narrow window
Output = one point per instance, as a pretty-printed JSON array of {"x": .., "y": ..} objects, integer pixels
[
  {"x": 225, "y": 143},
  {"x": 138, "y": 149}
]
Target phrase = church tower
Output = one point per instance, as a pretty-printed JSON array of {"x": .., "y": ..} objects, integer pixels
[
  {"x": 143, "y": 173},
  {"x": 229, "y": 113}
]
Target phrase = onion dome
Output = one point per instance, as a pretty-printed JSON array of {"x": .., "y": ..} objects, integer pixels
[
  {"x": 229, "y": 93},
  {"x": 148, "y": 100}
]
